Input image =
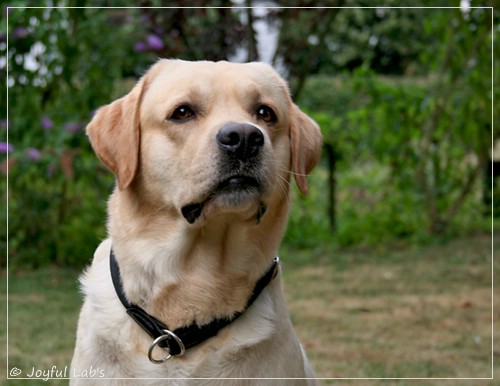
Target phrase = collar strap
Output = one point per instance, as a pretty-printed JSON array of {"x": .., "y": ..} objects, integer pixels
[{"x": 175, "y": 342}]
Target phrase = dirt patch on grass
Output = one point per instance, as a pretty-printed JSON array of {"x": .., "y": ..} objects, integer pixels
[{"x": 30, "y": 298}]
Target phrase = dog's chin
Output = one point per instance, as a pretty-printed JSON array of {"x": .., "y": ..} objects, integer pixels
[{"x": 239, "y": 197}]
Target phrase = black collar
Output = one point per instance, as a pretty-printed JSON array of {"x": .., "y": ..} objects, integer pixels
[{"x": 175, "y": 342}]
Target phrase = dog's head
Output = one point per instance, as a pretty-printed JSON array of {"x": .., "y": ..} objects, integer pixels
[{"x": 207, "y": 139}]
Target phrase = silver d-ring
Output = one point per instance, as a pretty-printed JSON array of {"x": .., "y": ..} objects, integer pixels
[{"x": 167, "y": 334}]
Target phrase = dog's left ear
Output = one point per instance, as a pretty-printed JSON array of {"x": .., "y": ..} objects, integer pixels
[
  {"x": 114, "y": 133},
  {"x": 306, "y": 141}
]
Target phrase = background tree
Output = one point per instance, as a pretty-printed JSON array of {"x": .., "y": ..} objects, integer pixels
[
  {"x": 423, "y": 129},
  {"x": 303, "y": 35},
  {"x": 190, "y": 33}
]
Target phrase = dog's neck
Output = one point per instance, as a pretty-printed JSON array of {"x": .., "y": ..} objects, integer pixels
[{"x": 190, "y": 274}]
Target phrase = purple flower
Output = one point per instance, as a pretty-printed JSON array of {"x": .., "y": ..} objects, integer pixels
[
  {"x": 154, "y": 42},
  {"x": 73, "y": 127},
  {"x": 6, "y": 147},
  {"x": 4, "y": 123},
  {"x": 140, "y": 47},
  {"x": 46, "y": 123},
  {"x": 20, "y": 33},
  {"x": 33, "y": 154}
]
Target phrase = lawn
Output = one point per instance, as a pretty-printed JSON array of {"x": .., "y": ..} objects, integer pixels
[{"x": 412, "y": 312}]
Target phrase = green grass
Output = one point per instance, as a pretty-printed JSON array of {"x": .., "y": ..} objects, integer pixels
[
  {"x": 42, "y": 315},
  {"x": 419, "y": 312},
  {"x": 413, "y": 312}
]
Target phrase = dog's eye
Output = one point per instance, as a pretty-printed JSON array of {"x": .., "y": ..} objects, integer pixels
[
  {"x": 267, "y": 114},
  {"x": 182, "y": 113}
]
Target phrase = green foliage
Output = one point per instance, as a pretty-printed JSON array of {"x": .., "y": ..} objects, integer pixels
[
  {"x": 57, "y": 188},
  {"x": 384, "y": 39},
  {"x": 425, "y": 132},
  {"x": 409, "y": 151}
]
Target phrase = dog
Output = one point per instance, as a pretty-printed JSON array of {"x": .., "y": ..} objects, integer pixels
[{"x": 186, "y": 290}]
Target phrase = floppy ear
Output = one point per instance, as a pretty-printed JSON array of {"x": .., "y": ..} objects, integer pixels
[
  {"x": 306, "y": 141},
  {"x": 114, "y": 134}
]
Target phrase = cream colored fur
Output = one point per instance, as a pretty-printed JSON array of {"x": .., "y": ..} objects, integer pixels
[{"x": 184, "y": 273}]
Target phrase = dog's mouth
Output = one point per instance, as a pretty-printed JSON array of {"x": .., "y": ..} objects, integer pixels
[
  {"x": 232, "y": 192},
  {"x": 237, "y": 183}
]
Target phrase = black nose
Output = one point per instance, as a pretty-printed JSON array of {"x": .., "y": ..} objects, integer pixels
[{"x": 240, "y": 139}]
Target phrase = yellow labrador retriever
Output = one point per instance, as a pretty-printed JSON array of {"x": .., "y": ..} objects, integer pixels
[{"x": 187, "y": 287}]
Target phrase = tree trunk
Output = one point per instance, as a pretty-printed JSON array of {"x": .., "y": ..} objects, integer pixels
[
  {"x": 332, "y": 186},
  {"x": 252, "y": 51}
]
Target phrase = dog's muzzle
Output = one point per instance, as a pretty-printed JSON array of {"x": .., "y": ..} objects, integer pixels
[{"x": 241, "y": 145}]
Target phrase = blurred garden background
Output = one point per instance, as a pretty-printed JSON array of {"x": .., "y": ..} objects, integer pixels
[{"x": 397, "y": 228}]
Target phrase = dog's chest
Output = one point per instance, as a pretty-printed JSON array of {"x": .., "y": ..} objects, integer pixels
[{"x": 123, "y": 345}]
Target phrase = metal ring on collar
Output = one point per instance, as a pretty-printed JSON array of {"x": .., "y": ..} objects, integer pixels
[
  {"x": 167, "y": 335},
  {"x": 276, "y": 266}
]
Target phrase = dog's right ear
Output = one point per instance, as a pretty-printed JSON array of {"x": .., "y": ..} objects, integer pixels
[
  {"x": 114, "y": 133},
  {"x": 306, "y": 142}
]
